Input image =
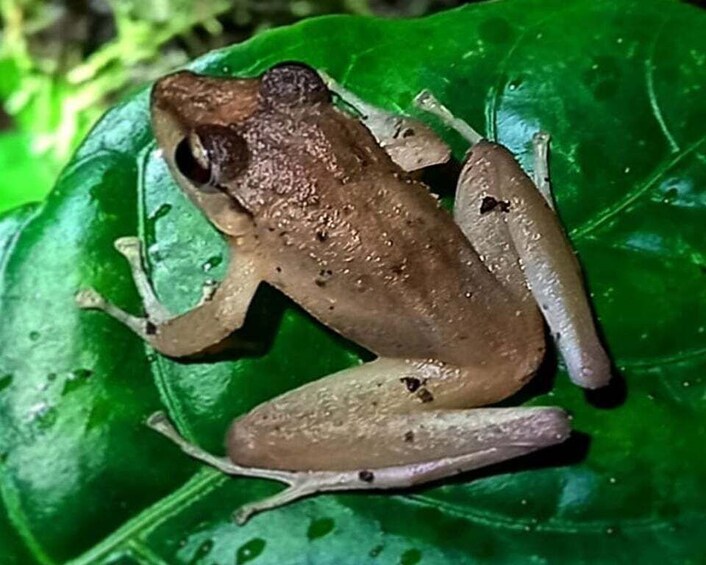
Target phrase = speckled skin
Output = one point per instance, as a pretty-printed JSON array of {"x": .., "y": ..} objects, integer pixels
[
  {"x": 349, "y": 236},
  {"x": 312, "y": 204},
  {"x": 325, "y": 215}
]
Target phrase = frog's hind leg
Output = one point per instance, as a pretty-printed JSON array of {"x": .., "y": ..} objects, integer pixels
[
  {"x": 513, "y": 226},
  {"x": 492, "y": 435},
  {"x": 386, "y": 424},
  {"x": 410, "y": 143}
]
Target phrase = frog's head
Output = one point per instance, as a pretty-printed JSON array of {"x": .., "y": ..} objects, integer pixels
[{"x": 202, "y": 125}]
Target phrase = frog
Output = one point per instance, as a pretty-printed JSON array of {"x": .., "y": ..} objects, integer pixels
[{"x": 318, "y": 194}]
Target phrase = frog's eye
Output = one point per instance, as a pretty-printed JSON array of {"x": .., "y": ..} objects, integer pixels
[
  {"x": 211, "y": 156},
  {"x": 189, "y": 159},
  {"x": 293, "y": 83}
]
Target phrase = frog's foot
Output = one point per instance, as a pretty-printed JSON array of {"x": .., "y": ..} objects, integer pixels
[
  {"x": 208, "y": 291},
  {"x": 90, "y": 299},
  {"x": 426, "y": 101},
  {"x": 410, "y": 143},
  {"x": 157, "y": 314},
  {"x": 131, "y": 248},
  {"x": 301, "y": 484},
  {"x": 540, "y": 145}
]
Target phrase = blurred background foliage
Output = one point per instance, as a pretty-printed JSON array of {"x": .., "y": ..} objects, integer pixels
[{"x": 63, "y": 62}]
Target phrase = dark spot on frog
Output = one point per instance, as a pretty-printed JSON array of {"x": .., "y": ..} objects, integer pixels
[
  {"x": 425, "y": 396},
  {"x": 409, "y": 436},
  {"x": 557, "y": 336},
  {"x": 150, "y": 328},
  {"x": 415, "y": 221},
  {"x": 397, "y": 269},
  {"x": 366, "y": 476},
  {"x": 278, "y": 269},
  {"x": 321, "y": 235},
  {"x": 489, "y": 204},
  {"x": 323, "y": 277},
  {"x": 412, "y": 383}
]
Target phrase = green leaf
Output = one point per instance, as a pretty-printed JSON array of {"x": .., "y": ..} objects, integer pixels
[
  {"x": 618, "y": 84},
  {"x": 25, "y": 176}
]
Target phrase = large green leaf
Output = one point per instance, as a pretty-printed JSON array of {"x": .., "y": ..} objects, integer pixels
[{"x": 621, "y": 87}]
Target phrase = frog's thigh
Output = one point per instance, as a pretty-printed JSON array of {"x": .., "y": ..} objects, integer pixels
[
  {"x": 481, "y": 212},
  {"x": 509, "y": 221},
  {"x": 383, "y": 414}
]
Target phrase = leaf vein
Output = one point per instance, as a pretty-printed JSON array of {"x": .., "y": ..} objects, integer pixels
[
  {"x": 204, "y": 481},
  {"x": 494, "y": 520},
  {"x": 664, "y": 359},
  {"x": 494, "y": 93},
  {"x": 611, "y": 211},
  {"x": 651, "y": 93}
]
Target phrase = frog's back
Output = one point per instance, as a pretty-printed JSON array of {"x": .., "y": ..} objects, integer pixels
[
  {"x": 379, "y": 261},
  {"x": 365, "y": 248}
]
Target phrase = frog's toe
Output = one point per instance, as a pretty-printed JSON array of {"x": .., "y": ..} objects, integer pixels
[
  {"x": 128, "y": 245},
  {"x": 89, "y": 298}
]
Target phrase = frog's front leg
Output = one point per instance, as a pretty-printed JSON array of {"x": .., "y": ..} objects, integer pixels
[
  {"x": 511, "y": 222},
  {"x": 391, "y": 423},
  {"x": 220, "y": 312}
]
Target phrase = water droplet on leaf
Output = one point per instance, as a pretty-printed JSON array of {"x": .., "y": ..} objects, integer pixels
[
  {"x": 201, "y": 551},
  {"x": 5, "y": 381},
  {"x": 249, "y": 550},
  {"x": 320, "y": 527},
  {"x": 212, "y": 263},
  {"x": 411, "y": 557}
]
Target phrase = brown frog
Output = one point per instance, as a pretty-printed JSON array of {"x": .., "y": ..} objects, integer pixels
[{"x": 323, "y": 205}]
